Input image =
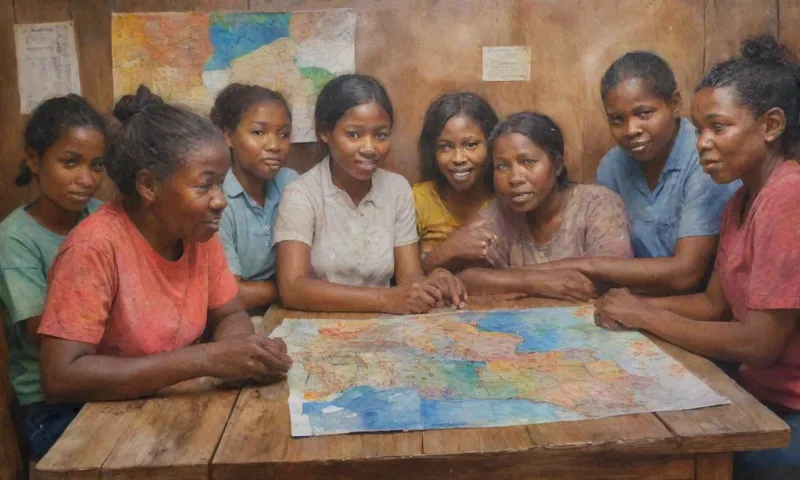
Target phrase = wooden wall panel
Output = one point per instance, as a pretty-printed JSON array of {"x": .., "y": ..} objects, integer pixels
[
  {"x": 422, "y": 48},
  {"x": 11, "y": 126},
  {"x": 728, "y": 22},
  {"x": 789, "y": 23},
  {"x": 671, "y": 29},
  {"x": 41, "y": 11}
]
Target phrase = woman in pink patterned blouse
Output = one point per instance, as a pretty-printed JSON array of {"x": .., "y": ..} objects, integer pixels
[{"x": 540, "y": 216}]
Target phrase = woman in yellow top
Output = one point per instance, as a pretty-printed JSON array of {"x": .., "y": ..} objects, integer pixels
[{"x": 454, "y": 155}]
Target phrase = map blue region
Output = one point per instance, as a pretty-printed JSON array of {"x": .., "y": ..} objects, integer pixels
[
  {"x": 236, "y": 34},
  {"x": 476, "y": 369}
]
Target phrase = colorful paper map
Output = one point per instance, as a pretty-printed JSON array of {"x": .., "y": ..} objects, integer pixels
[
  {"x": 188, "y": 58},
  {"x": 476, "y": 369}
]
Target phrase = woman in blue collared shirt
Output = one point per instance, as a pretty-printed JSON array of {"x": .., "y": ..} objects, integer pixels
[
  {"x": 673, "y": 206},
  {"x": 257, "y": 124}
]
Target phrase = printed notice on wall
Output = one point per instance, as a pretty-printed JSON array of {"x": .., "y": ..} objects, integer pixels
[
  {"x": 47, "y": 62},
  {"x": 506, "y": 64}
]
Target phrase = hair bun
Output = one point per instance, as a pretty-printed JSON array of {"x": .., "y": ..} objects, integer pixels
[
  {"x": 765, "y": 50},
  {"x": 130, "y": 105}
]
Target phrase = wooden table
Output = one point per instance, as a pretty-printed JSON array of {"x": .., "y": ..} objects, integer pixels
[{"x": 245, "y": 434}]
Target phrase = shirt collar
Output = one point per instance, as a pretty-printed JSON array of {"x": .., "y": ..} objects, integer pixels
[
  {"x": 329, "y": 188},
  {"x": 231, "y": 185},
  {"x": 684, "y": 149},
  {"x": 233, "y": 189}
]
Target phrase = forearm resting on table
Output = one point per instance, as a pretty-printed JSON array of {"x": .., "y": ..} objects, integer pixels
[
  {"x": 698, "y": 306},
  {"x": 305, "y": 293},
  {"x": 255, "y": 294},
  {"x": 663, "y": 276},
  {"x": 94, "y": 377},
  {"x": 754, "y": 343}
]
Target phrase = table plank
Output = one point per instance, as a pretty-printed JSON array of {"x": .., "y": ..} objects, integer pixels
[
  {"x": 100, "y": 425},
  {"x": 640, "y": 433},
  {"x": 258, "y": 439},
  {"x": 173, "y": 437},
  {"x": 744, "y": 424}
]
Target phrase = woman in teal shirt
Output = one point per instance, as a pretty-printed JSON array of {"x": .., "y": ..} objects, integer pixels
[{"x": 64, "y": 150}]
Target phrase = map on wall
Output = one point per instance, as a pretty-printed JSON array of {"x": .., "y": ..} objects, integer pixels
[
  {"x": 476, "y": 369},
  {"x": 187, "y": 58}
]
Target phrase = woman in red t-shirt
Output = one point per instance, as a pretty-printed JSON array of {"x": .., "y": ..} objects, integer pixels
[
  {"x": 134, "y": 287},
  {"x": 747, "y": 112}
]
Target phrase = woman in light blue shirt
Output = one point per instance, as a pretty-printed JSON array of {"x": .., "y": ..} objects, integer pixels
[
  {"x": 257, "y": 125},
  {"x": 673, "y": 206}
]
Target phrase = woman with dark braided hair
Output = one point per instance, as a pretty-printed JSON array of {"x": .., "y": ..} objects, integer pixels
[{"x": 747, "y": 112}]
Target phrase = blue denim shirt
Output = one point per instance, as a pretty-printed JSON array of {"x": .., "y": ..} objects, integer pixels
[
  {"x": 246, "y": 227},
  {"x": 685, "y": 203}
]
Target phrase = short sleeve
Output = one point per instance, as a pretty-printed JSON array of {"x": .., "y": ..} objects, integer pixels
[
  {"x": 501, "y": 249},
  {"x": 295, "y": 216},
  {"x": 227, "y": 235},
  {"x": 82, "y": 286},
  {"x": 774, "y": 281},
  {"x": 222, "y": 286},
  {"x": 607, "y": 226},
  {"x": 703, "y": 201},
  {"x": 405, "y": 218},
  {"x": 605, "y": 171},
  {"x": 23, "y": 280}
]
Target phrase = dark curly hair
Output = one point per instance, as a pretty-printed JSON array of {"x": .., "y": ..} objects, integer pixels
[{"x": 766, "y": 75}]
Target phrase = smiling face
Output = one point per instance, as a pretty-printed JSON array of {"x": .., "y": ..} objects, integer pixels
[
  {"x": 731, "y": 141},
  {"x": 524, "y": 174},
  {"x": 189, "y": 203},
  {"x": 260, "y": 142},
  {"x": 359, "y": 141},
  {"x": 641, "y": 122},
  {"x": 71, "y": 170},
  {"x": 461, "y": 153}
]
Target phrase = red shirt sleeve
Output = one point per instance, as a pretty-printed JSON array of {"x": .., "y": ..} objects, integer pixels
[
  {"x": 81, "y": 286},
  {"x": 222, "y": 286},
  {"x": 775, "y": 276}
]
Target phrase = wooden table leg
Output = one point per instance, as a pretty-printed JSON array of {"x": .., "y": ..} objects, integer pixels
[{"x": 714, "y": 466}]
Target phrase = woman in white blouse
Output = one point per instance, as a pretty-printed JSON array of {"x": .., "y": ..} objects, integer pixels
[{"x": 346, "y": 227}]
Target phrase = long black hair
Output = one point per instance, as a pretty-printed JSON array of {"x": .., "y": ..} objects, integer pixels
[{"x": 471, "y": 105}]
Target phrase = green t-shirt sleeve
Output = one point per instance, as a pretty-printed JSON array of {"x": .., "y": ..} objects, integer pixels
[{"x": 23, "y": 281}]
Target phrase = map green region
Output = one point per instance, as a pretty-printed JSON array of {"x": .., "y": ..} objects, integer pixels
[
  {"x": 476, "y": 369},
  {"x": 188, "y": 57}
]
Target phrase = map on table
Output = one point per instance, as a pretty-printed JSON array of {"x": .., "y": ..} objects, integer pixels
[
  {"x": 187, "y": 58},
  {"x": 476, "y": 369}
]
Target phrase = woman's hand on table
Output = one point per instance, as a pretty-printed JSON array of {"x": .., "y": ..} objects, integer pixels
[
  {"x": 449, "y": 286},
  {"x": 246, "y": 356},
  {"x": 620, "y": 309}
]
